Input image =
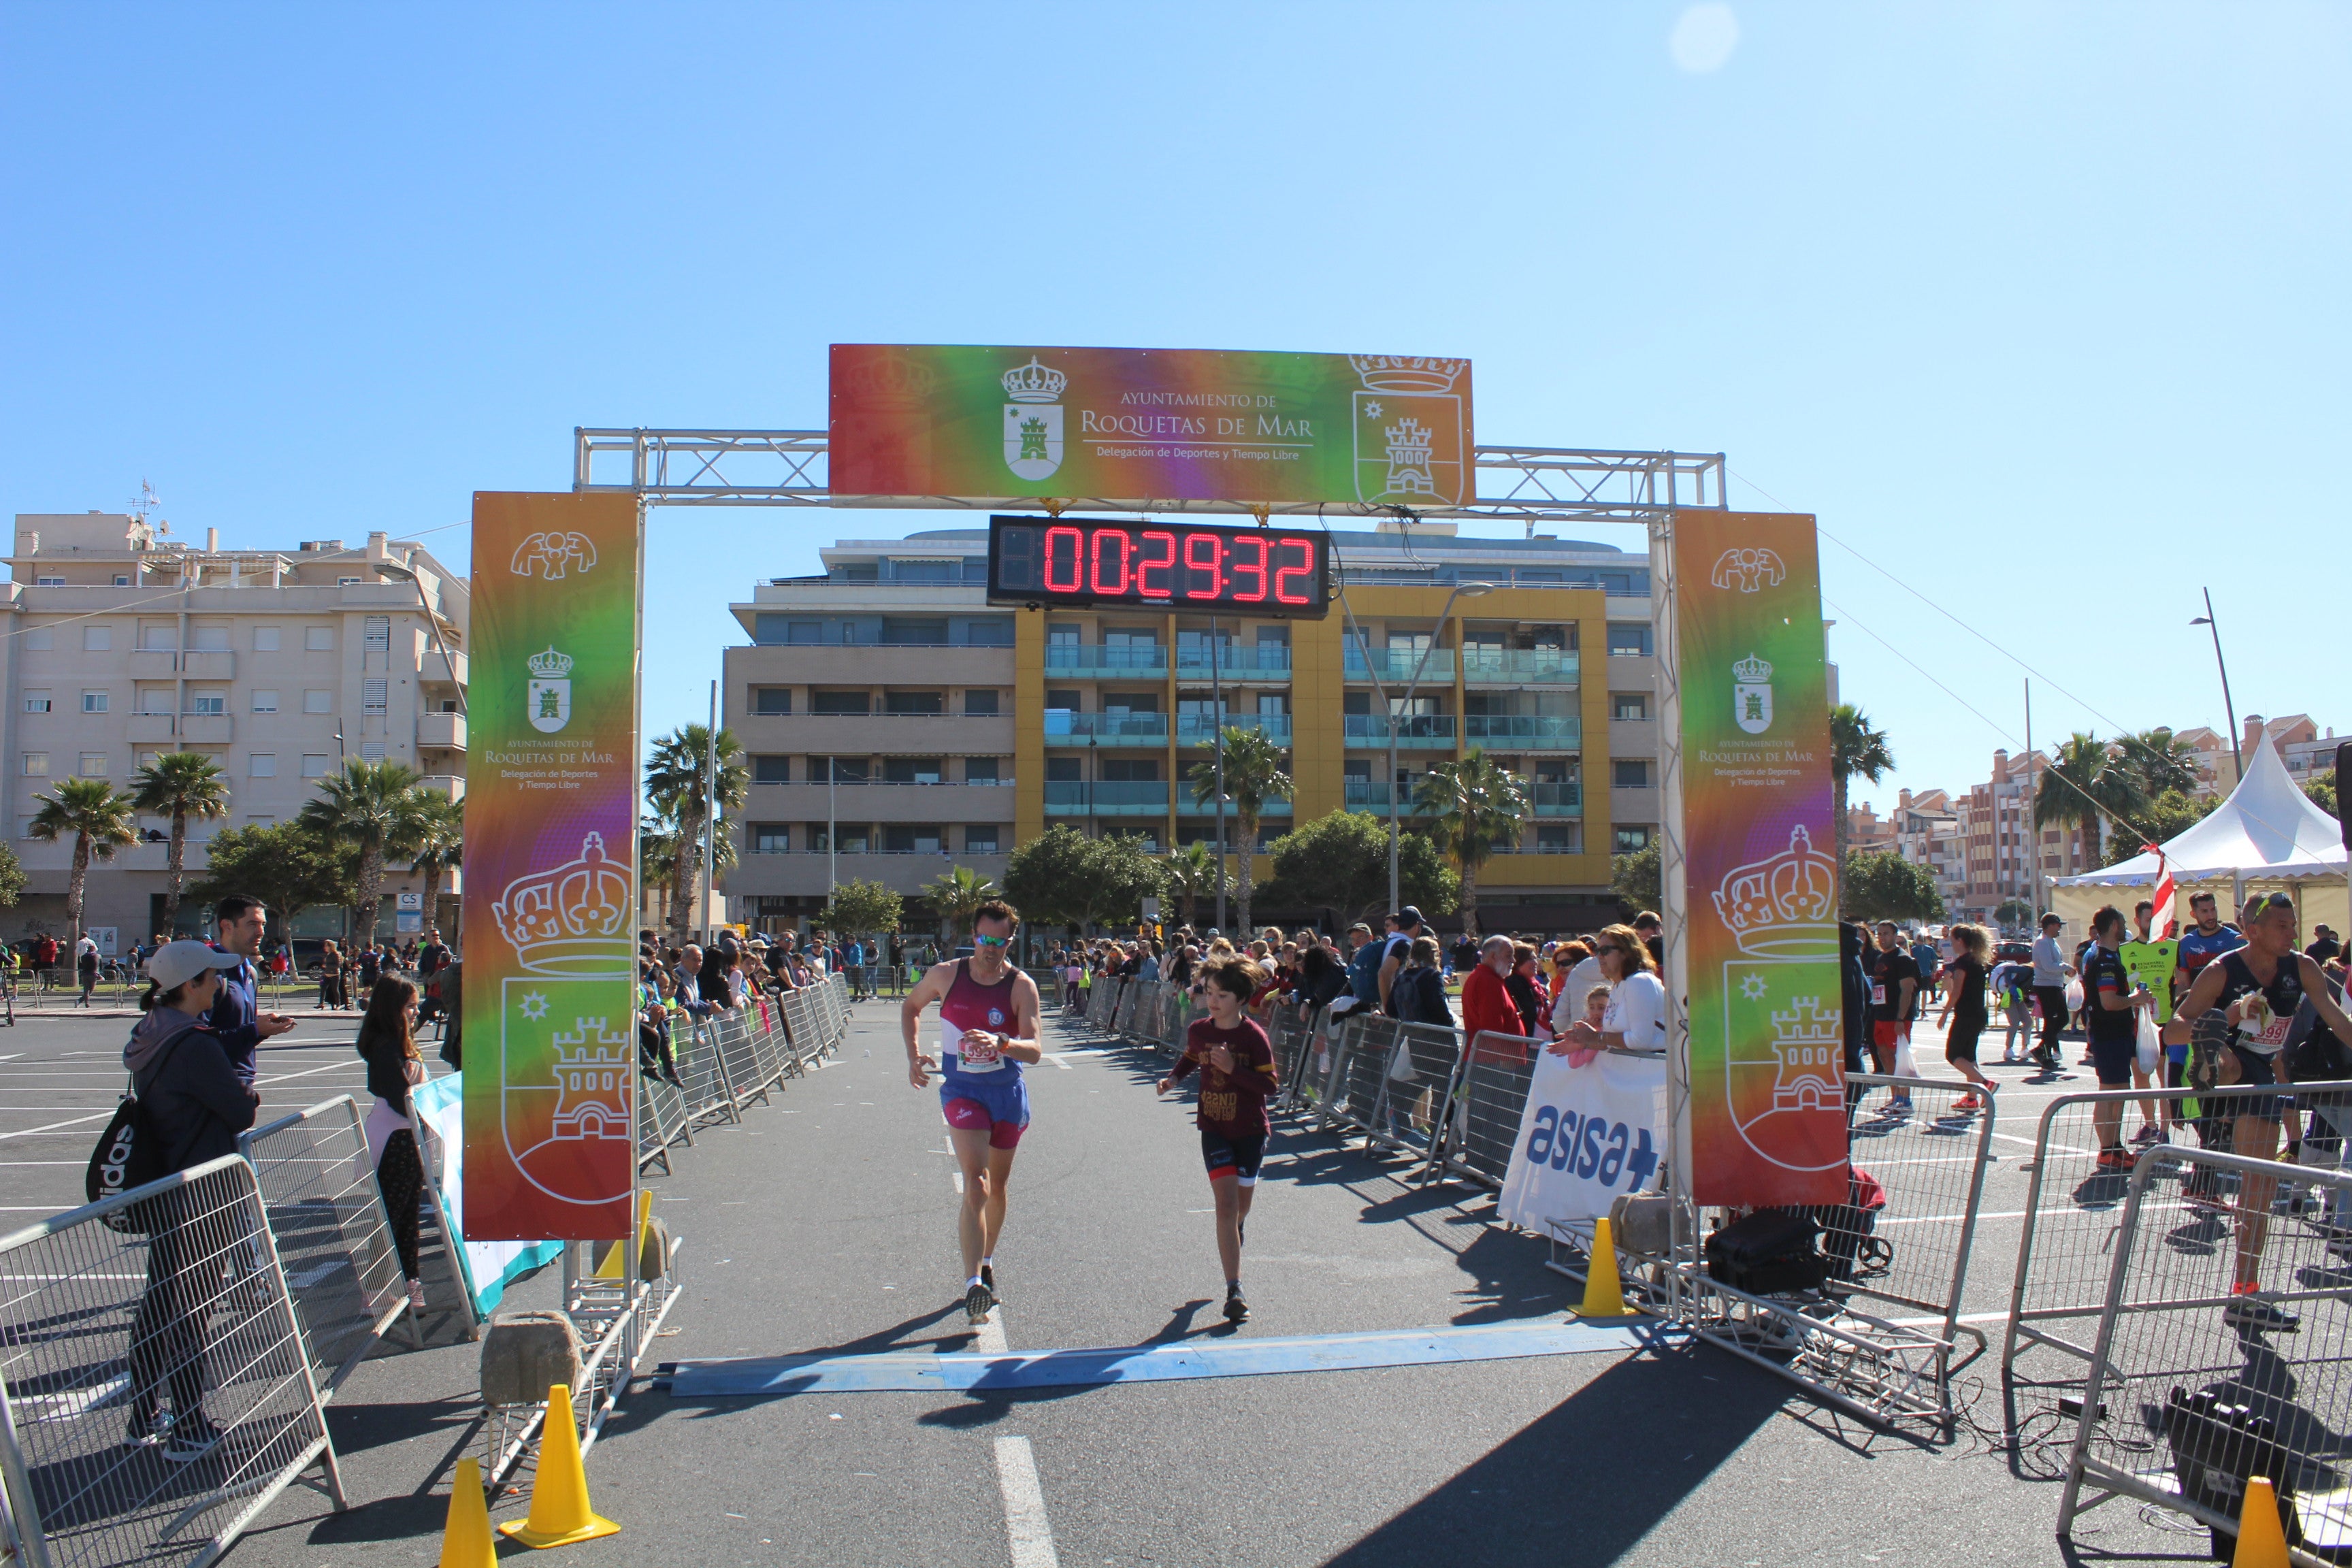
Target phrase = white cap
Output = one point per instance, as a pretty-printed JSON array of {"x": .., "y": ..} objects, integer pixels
[{"x": 177, "y": 962}]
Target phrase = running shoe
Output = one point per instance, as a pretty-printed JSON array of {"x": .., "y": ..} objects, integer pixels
[
  {"x": 147, "y": 1428},
  {"x": 2116, "y": 1160},
  {"x": 416, "y": 1295},
  {"x": 988, "y": 1279},
  {"x": 977, "y": 1300},
  {"x": 2146, "y": 1135},
  {"x": 1967, "y": 1102},
  {"x": 2250, "y": 1312},
  {"x": 1236, "y": 1308},
  {"x": 192, "y": 1439}
]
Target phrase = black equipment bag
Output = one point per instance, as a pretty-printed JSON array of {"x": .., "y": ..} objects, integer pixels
[
  {"x": 130, "y": 1152},
  {"x": 2216, "y": 1446},
  {"x": 1770, "y": 1253}
]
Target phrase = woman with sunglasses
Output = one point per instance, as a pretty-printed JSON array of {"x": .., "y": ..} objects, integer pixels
[{"x": 1636, "y": 1019}]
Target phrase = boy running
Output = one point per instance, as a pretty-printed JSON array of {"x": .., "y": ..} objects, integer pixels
[{"x": 1237, "y": 1078}]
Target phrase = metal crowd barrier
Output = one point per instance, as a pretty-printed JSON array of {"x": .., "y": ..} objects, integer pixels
[
  {"x": 2188, "y": 1395},
  {"x": 1930, "y": 1165},
  {"x": 100, "y": 1327},
  {"x": 1489, "y": 1096},
  {"x": 2073, "y": 1209}
]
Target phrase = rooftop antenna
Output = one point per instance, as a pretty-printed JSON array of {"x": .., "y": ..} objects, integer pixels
[{"x": 146, "y": 505}]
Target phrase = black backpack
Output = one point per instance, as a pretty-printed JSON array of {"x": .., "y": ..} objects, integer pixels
[{"x": 130, "y": 1152}]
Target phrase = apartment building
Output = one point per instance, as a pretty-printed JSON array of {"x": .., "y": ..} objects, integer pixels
[
  {"x": 2307, "y": 753},
  {"x": 896, "y": 724},
  {"x": 124, "y": 644},
  {"x": 1930, "y": 831}
]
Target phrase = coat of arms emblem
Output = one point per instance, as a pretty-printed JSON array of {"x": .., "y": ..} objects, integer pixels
[
  {"x": 1409, "y": 445},
  {"x": 1033, "y": 420},
  {"x": 1751, "y": 695},
  {"x": 549, "y": 705}
]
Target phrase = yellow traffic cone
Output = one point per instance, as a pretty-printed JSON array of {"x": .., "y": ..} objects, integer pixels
[
  {"x": 1605, "y": 1297},
  {"x": 2262, "y": 1543},
  {"x": 466, "y": 1539},
  {"x": 560, "y": 1513},
  {"x": 615, "y": 1261}
]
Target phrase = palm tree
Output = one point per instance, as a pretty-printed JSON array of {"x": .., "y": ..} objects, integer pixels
[
  {"x": 2160, "y": 764},
  {"x": 2088, "y": 779},
  {"x": 1856, "y": 748},
  {"x": 180, "y": 785},
  {"x": 1477, "y": 806},
  {"x": 439, "y": 844},
  {"x": 958, "y": 893},
  {"x": 101, "y": 822},
  {"x": 377, "y": 808},
  {"x": 1191, "y": 875},
  {"x": 1253, "y": 776},
  {"x": 677, "y": 784}
]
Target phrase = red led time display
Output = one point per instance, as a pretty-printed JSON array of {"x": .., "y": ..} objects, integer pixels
[{"x": 1086, "y": 561}]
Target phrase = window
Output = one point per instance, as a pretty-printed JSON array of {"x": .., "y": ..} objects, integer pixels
[
  {"x": 93, "y": 702},
  {"x": 980, "y": 769},
  {"x": 36, "y": 701},
  {"x": 990, "y": 631},
  {"x": 207, "y": 702},
  {"x": 837, "y": 702},
  {"x": 318, "y": 702},
  {"x": 349, "y": 582},
  {"x": 1129, "y": 770},
  {"x": 37, "y": 764},
  {"x": 1064, "y": 699},
  {"x": 261, "y": 765},
  {"x": 771, "y": 838},
  {"x": 771, "y": 700},
  {"x": 48, "y": 582},
  {"x": 317, "y": 767},
  {"x": 374, "y": 693},
  {"x": 772, "y": 770},
  {"x": 319, "y": 639},
  {"x": 93, "y": 765},
  {"x": 96, "y": 639},
  {"x": 1632, "y": 840},
  {"x": 853, "y": 839},
  {"x": 845, "y": 770},
  {"x": 265, "y": 639},
  {"x": 902, "y": 839},
  {"x": 123, "y": 579},
  {"x": 265, "y": 702},
  {"x": 1628, "y": 638},
  {"x": 155, "y": 699},
  {"x": 208, "y": 638},
  {"x": 979, "y": 704},
  {"x": 40, "y": 639},
  {"x": 158, "y": 636},
  {"x": 372, "y": 752},
  {"x": 146, "y": 759},
  {"x": 980, "y": 839},
  {"x": 909, "y": 631},
  {"x": 911, "y": 770},
  {"x": 1064, "y": 770},
  {"x": 1629, "y": 772},
  {"x": 375, "y": 633},
  {"x": 1629, "y": 705},
  {"x": 915, "y": 703},
  {"x": 1560, "y": 838}
]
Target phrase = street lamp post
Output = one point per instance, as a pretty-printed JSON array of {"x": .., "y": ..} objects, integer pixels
[
  {"x": 2206, "y": 620},
  {"x": 1461, "y": 591}
]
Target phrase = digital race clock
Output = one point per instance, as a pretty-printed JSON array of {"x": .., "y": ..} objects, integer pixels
[{"x": 1154, "y": 565}]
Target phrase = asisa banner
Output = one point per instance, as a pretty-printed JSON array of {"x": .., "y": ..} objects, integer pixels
[
  {"x": 1588, "y": 1136},
  {"x": 1138, "y": 427},
  {"x": 551, "y": 860},
  {"x": 1767, "y": 1091}
]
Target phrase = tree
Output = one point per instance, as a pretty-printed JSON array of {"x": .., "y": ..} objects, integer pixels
[
  {"x": 1063, "y": 878},
  {"x": 677, "y": 783},
  {"x": 956, "y": 894},
  {"x": 2159, "y": 764},
  {"x": 288, "y": 866},
  {"x": 860, "y": 909},
  {"x": 1880, "y": 885},
  {"x": 439, "y": 844},
  {"x": 12, "y": 877},
  {"x": 1340, "y": 862},
  {"x": 2086, "y": 781},
  {"x": 1475, "y": 806},
  {"x": 1857, "y": 749},
  {"x": 2321, "y": 788},
  {"x": 1637, "y": 878},
  {"x": 2167, "y": 817},
  {"x": 101, "y": 822},
  {"x": 180, "y": 785},
  {"x": 1253, "y": 776},
  {"x": 1191, "y": 876},
  {"x": 377, "y": 808},
  {"x": 1120, "y": 875},
  {"x": 2014, "y": 914}
]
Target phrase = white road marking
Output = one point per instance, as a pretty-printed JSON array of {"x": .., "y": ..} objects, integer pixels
[
  {"x": 989, "y": 1337},
  {"x": 1056, "y": 1058},
  {"x": 959, "y": 1180},
  {"x": 1024, "y": 1505}
]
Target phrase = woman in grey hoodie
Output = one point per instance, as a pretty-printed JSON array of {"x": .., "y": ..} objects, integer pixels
[{"x": 195, "y": 1105}]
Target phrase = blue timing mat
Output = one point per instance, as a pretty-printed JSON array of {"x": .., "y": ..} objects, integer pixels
[{"x": 924, "y": 1372}]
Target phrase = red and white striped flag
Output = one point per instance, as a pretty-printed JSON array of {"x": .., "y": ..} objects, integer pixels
[{"x": 2162, "y": 920}]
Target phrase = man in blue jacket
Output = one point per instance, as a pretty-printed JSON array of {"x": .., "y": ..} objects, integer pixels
[{"x": 235, "y": 1016}]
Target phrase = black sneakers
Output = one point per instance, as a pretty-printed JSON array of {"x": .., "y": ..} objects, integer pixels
[
  {"x": 147, "y": 1428},
  {"x": 977, "y": 1300},
  {"x": 2250, "y": 1312},
  {"x": 988, "y": 1279},
  {"x": 1236, "y": 1309},
  {"x": 192, "y": 1439}
]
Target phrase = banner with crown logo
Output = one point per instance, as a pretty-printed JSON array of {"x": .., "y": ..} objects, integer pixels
[
  {"x": 1136, "y": 427},
  {"x": 1766, "y": 1009},
  {"x": 550, "y": 856}
]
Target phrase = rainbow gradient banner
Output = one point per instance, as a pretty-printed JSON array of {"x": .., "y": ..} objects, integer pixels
[
  {"x": 550, "y": 856},
  {"x": 1767, "y": 1048},
  {"x": 1144, "y": 428}
]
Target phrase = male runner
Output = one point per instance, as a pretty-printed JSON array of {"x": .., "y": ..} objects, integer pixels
[
  {"x": 2206, "y": 940},
  {"x": 980, "y": 1089}
]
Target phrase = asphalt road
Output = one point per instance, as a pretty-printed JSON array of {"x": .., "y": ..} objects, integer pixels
[{"x": 826, "y": 1222}]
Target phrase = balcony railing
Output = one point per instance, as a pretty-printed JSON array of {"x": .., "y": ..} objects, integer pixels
[
  {"x": 1517, "y": 665},
  {"x": 1201, "y": 730},
  {"x": 1109, "y": 797},
  {"x": 1099, "y": 658},
  {"x": 1394, "y": 665},
  {"x": 1523, "y": 732},
  {"x": 1239, "y": 662},
  {"x": 1192, "y": 807},
  {"x": 1422, "y": 732},
  {"x": 1066, "y": 726},
  {"x": 1373, "y": 795},
  {"x": 1556, "y": 799}
]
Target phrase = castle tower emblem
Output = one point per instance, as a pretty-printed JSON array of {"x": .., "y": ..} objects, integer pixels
[
  {"x": 1808, "y": 1044},
  {"x": 591, "y": 1080},
  {"x": 548, "y": 697},
  {"x": 1411, "y": 431},
  {"x": 1033, "y": 419},
  {"x": 1751, "y": 695}
]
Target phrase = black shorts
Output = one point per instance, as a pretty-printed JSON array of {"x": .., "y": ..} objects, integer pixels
[
  {"x": 1238, "y": 1157},
  {"x": 2255, "y": 1068},
  {"x": 1960, "y": 1045},
  {"x": 2113, "y": 1060}
]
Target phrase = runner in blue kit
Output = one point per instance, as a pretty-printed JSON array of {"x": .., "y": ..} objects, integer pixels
[{"x": 988, "y": 1031}]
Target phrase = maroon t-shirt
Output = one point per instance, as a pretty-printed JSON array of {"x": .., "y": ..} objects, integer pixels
[{"x": 1231, "y": 1103}]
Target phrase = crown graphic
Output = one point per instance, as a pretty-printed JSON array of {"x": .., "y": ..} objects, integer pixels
[
  {"x": 574, "y": 920},
  {"x": 1785, "y": 907},
  {"x": 551, "y": 665},
  {"x": 892, "y": 379},
  {"x": 1400, "y": 373},
  {"x": 1033, "y": 383},
  {"x": 1751, "y": 672}
]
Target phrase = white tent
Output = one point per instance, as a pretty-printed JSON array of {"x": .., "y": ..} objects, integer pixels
[{"x": 2268, "y": 834}]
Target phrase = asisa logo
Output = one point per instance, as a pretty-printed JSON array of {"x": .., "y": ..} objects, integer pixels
[{"x": 1593, "y": 1148}]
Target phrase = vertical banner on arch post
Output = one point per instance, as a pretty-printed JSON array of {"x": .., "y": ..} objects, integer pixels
[
  {"x": 1766, "y": 1082},
  {"x": 551, "y": 869}
]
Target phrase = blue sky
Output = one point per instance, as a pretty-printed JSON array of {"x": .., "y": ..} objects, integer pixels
[{"x": 2040, "y": 308}]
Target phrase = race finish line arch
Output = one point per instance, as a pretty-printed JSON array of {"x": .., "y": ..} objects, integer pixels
[{"x": 1757, "y": 1100}]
